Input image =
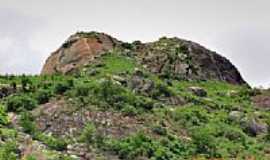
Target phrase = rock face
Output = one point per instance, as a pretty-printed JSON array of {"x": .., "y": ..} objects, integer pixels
[
  {"x": 79, "y": 49},
  {"x": 182, "y": 59},
  {"x": 168, "y": 57}
]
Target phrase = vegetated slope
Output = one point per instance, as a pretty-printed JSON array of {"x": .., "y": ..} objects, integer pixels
[{"x": 116, "y": 106}]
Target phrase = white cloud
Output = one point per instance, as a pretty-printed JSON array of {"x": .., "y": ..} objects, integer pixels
[{"x": 16, "y": 54}]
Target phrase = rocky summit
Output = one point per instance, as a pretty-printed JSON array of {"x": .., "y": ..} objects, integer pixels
[
  {"x": 168, "y": 57},
  {"x": 99, "y": 98}
]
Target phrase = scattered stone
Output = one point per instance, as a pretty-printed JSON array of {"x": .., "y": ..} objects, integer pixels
[
  {"x": 119, "y": 79},
  {"x": 235, "y": 116},
  {"x": 262, "y": 101},
  {"x": 232, "y": 93},
  {"x": 6, "y": 91},
  {"x": 254, "y": 127},
  {"x": 136, "y": 82},
  {"x": 92, "y": 72},
  {"x": 77, "y": 149},
  {"x": 198, "y": 91},
  {"x": 148, "y": 86}
]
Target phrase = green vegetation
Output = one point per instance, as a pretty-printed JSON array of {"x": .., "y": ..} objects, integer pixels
[
  {"x": 8, "y": 151},
  {"x": 31, "y": 157},
  {"x": 43, "y": 96},
  {"x": 3, "y": 116},
  {"x": 53, "y": 143},
  {"x": 112, "y": 64},
  {"x": 18, "y": 103},
  {"x": 116, "y": 119},
  {"x": 88, "y": 133},
  {"x": 141, "y": 145}
]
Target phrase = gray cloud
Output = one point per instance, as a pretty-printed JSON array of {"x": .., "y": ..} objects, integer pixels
[
  {"x": 238, "y": 29},
  {"x": 16, "y": 54},
  {"x": 250, "y": 50}
]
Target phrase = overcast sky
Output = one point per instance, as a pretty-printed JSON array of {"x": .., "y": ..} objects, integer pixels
[{"x": 237, "y": 29}]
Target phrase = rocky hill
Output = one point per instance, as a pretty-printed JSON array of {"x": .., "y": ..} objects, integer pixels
[
  {"x": 100, "y": 98},
  {"x": 168, "y": 57}
]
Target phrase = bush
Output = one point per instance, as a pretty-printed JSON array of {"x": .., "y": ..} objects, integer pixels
[
  {"x": 127, "y": 45},
  {"x": 114, "y": 95},
  {"x": 31, "y": 157},
  {"x": 27, "y": 123},
  {"x": 159, "y": 130},
  {"x": 140, "y": 145},
  {"x": 20, "y": 103},
  {"x": 26, "y": 83},
  {"x": 161, "y": 90},
  {"x": 129, "y": 110},
  {"x": 62, "y": 87},
  {"x": 43, "y": 96},
  {"x": 191, "y": 115},
  {"x": 145, "y": 103},
  {"x": 8, "y": 133},
  {"x": 108, "y": 94},
  {"x": 3, "y": 116},
  {"x": 218, "y": 140},
  {"x": 88, "y": 133},
  {"x": 8, "y": 151},
  {"x": 53, "y": 143},
  {"x": 82, "y": 90}
]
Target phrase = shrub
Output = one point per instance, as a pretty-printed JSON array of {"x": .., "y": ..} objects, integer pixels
[
  {"x": 54, "y": 143},
  {"x": 8, "y": 133},
  {"x": 88, "y": 133},
  {"x": 132, "y": 147},
  {"x": 114, "y": 95},
  {"x": 129, "y": 110},
  {"x": 140, "y": 145},
  {"x": 108, "y": 94},
  {"x": 161, "y": 90},
  {"x": 204, "y": 140},
  {"x": 3, "y": 116},
  {"x": 43, "y": 96},
  {"x": 20, "y": 103},
  {"x": 8, "y": 151},
  {"x": 127, "y": 45},
  {"x": 191, "y": 115},
  {"x": 159, "y": 130},
  {"x": 82, "y": 90},
  {"x": 27, "y": 123},
  {"x": 218, "y": 140},
  {"x": 62, "y": 87},
  {"x": 145, "y": 103},
  {"x": 25, "y": 82},
  {"x": 31, "y": 157}
]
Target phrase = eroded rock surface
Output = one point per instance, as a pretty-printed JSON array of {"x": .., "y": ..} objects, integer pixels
[
  {"x": 78, "y": 50},
  {"x": 58, "y": 118}
]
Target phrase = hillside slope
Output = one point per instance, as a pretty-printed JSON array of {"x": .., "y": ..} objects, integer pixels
[{"x": 111, "y": 102}]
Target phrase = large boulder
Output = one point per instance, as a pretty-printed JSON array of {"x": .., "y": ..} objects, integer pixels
[
  {"x": 198, "y": 91},
  {"x": 181, "y": 59},
  {"x": 170, "y": 58},
  {"x": 79, "y": 49},
  {"x": 253, "y": 126}
]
